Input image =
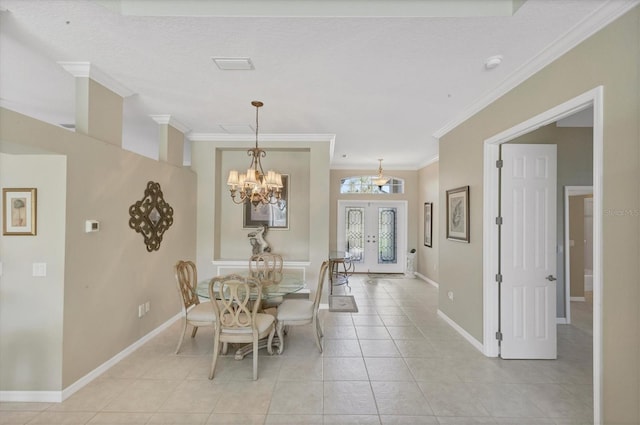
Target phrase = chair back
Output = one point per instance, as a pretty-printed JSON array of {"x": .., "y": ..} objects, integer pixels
[
  {"x": 321, "y": 278},
  {"x": 238, "y": 301},
  {"x": 187, "y": 279},
  {"x": 266, "y": 267}
]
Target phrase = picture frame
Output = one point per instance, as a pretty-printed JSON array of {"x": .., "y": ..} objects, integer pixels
[
  {"x": 274, "y": 216},
  {"x": 19, "y": 207},
  {"x": 428, "y": 224},
  {"x": 458, "y": 214}
]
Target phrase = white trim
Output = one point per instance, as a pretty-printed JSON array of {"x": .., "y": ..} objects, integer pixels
[
  {"x": 607, "y": 13},
  {"x": 579, "y": 299},
  {"x": 429, "y": 281},
  {"x": 225, "y": 137},
  {"x": 31, "y": 396},
  {"x": 476, "y": 344},
  {"x": 429, "y": 162},
  {"x": 59, "y": 396},
  {"x": 561, "y": 321},
  {"x": 169, "y": 120},
  {"x": 490, "y": 199},
  {"x": 86, "y": 70},
  {"x": 570, "y": 191}
]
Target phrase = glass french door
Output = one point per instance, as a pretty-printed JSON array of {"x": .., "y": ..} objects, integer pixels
[{"x": 374, "y": 233}]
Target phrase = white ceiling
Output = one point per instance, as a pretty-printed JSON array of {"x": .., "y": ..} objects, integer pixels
[{"x": 386, "y": 78}]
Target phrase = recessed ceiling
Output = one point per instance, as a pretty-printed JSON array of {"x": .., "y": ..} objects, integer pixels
[{"x": 385, "y": 77}]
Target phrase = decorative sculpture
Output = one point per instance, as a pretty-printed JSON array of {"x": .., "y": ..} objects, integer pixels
[
  {"x": 151, "y": 216},
  {"x": 256, "y": 238}
]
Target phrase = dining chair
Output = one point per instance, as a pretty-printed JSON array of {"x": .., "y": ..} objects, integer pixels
[
  {"x": 302, "y": 312},
  {"x": 196, "y": 313},
  {"x": 238, "y": 319},
  {"x": 267, "y": 268}
]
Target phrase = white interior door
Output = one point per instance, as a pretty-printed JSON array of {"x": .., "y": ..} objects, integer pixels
[
  {"x": 374, "y": 233},
  {"x": 528, "y": 252}
]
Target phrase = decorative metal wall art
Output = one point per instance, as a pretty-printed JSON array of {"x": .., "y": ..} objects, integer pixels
[{"x": 151, "y": 216}]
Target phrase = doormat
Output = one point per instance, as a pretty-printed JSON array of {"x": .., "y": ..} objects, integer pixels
[
  {"x": 343, "y": 303},
  {"x": 385, "y": 275}
]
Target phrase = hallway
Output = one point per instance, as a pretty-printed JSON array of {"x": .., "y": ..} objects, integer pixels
[{"x": 394, "y": 362}]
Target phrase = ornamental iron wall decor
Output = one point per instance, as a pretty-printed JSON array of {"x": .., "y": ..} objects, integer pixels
[{"x": 151, "y": 216}]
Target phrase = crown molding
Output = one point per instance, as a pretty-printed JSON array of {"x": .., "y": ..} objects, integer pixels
[
  {"x": 429, "y": 162},
  {"x": 169, "y": 120},
  {"x": 598, "y": 19},
  {"x": 86, "y": 70},
  {"x": 223, "y": 137}
]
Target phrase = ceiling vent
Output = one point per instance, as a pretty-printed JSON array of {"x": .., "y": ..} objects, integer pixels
[{"x": 234, "y": 64}]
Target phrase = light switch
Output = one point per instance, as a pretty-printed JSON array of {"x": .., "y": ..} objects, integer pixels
[{"x": 39, "y": 269}]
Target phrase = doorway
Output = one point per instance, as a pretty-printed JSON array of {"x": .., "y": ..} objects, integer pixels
[
  {"x": 374, "y": 233},
  {"x": 491, "y": 269}
]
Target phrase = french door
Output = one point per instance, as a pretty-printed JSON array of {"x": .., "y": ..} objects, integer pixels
[{"x": 374, "y": 233}]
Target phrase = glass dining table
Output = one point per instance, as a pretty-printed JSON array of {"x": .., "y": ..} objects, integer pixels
[{"x": 286, "y": 283}]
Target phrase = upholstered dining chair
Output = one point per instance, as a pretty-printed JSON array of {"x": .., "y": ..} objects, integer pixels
[
  {"x": 267, "y": 268},
  {"x": 237, "y": 316},
  {"x": 196, "y": 313},
  {"x": 302, "y": 312}
]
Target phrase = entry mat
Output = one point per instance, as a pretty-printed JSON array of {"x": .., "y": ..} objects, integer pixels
[{"x": 343, "y": 303}]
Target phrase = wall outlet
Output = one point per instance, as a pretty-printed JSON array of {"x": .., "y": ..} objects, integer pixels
[
  {"x": 140, "y": 310},
  {"x": 147, "y": 306},
  {"x": 450, "y": 295}
]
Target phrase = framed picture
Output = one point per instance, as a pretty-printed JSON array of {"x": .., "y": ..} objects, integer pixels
[
  {"x": 428, "y": 223},
  {"x": 458, "y": 214},
  {"x": 19, "y": 211},
  {"x": 274, "y": 216}
]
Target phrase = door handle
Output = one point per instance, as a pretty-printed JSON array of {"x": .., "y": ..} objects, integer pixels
[{"x": 550, "y": 278}]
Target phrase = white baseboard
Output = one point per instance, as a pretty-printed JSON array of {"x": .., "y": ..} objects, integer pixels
[
  {"x": 60, "y": 396},
  {"x": 561, "y": 321},
  {"x": 477, "y": 344},
  {"x": 31, "y": 396},
  {"x": 426, "y": 279},
  {"x": 582, "y": 299}
]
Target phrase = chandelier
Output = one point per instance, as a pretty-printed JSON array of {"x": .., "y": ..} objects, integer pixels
[
  {"x": 255, "y": 187},
  {"x": 380, "y": 180}
]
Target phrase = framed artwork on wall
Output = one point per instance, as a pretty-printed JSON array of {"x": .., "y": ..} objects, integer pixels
[
  {"x": 274, "y": 216},
  {"x": 458, "y": 214},
  {"x": 19, "y": 207},
  {"x": 428, "y": 223}
]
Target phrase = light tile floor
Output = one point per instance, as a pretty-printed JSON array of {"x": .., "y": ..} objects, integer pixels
[{"x": 392, "y": 363}]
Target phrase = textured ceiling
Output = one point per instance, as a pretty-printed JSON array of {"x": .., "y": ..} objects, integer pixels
[{"x": 382, "y": 85}]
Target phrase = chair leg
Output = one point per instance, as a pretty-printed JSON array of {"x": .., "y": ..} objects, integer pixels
[
  {"x": 193, "y": 332},
  {"x": 318, "y": 333},
  {"x": 216, "y": 349},
  {"x": 270, "y": 340},
  {"x": 279, "y": 327},
  {"x": 255, "y": 359},
  {"x": 184, "y": 330}
]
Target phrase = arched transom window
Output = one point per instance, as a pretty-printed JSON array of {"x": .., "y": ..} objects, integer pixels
[{"x": 364, "y": 184}]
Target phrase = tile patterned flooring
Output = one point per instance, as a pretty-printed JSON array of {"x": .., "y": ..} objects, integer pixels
[{"x": 392, "y": 363}]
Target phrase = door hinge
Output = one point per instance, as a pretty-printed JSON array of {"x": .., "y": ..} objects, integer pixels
[
  {"x": 499, "y": 278},
  {"x": 499, "y": 336},
  {"x": 499, "y": 163},
  {"x": 499, "y": 221}
]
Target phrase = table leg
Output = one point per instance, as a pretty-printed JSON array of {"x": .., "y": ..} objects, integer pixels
[{"x": 248, "y": 348}]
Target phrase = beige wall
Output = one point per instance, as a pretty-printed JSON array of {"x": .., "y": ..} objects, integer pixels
[
  {"x": 428, "y": 258},
  {"x": 610, "y": 58},
  {"x": 410, "y": 195},
  {"x": 108, "y": 273},
  {"x": 31, "y": 308},
  {"x": 574, "y": 168}
]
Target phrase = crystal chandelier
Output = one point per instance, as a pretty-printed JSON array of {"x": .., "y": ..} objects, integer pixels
[
  {"x": 380, "y": 180},
  {"x": 255, "y": 187}
]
